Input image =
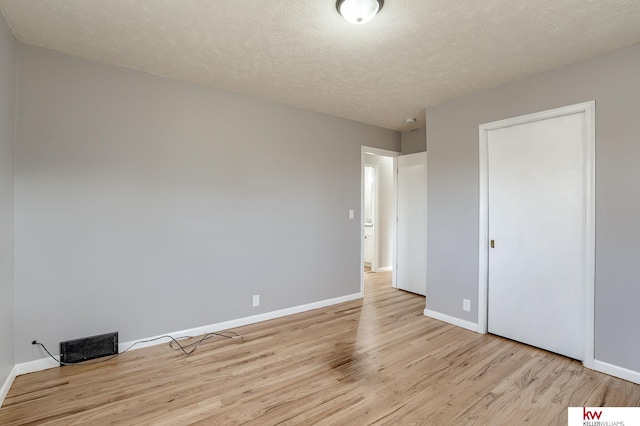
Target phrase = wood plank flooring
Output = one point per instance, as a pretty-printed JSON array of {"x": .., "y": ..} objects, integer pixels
[{"x": 372, "y": 361}]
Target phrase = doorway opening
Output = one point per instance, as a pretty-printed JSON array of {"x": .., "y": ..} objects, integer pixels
[
  {"x": 370, "y": 213},
  {"x": 378, "y": 212}
]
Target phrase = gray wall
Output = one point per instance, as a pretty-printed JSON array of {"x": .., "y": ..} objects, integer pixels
[
  {"x": 148, "y": 205},
  {"x": 7, "y": 140},
  {"x": 413, "y": 141},
  {"x": 613, "y": 81}
]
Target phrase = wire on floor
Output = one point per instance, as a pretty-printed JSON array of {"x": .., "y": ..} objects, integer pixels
[{"x": 174, "y": 343}]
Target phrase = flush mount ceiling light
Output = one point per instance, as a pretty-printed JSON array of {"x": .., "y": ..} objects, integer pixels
[{"x": 359, "y": 11}]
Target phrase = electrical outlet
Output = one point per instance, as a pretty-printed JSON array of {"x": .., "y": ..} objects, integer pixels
[
  {"x": 466, "y": 305},
  {"x": 256, "y": 300}
]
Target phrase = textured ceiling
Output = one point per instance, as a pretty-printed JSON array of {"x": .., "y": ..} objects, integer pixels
[{"x": 414, "y": 54}]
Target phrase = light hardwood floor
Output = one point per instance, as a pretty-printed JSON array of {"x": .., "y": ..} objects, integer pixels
[{"x": 371, "y": 361}]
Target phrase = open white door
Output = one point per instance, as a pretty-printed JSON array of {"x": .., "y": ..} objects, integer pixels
[{"x": 411, "y": 269}]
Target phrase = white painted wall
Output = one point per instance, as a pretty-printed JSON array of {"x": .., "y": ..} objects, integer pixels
[
  {"x": 148, "y": 205},
  {"x": 7, "y": 139},
  {"x": 370, "y": 185}
]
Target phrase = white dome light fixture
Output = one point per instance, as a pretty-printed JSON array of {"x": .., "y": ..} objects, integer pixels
[{"x": 359, "y": 11}]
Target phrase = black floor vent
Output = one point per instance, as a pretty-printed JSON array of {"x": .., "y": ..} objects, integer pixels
[{"x": 87, "y": 348}]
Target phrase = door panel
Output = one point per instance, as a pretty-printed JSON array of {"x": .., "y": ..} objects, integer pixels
[
  {"x": 412, "y": 223},
  {"x": 537, "y": 222}
]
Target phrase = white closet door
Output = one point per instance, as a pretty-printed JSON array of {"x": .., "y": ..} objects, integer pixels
[
  {"x": 412, "y": 223},
  {"x": 537, "y": 199}
]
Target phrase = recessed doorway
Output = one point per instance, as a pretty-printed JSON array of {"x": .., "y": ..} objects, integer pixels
[{"x": 378, "y": 212}]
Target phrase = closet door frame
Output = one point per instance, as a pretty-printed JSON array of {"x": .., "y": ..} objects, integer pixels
[{"x": 588, "y": 108}]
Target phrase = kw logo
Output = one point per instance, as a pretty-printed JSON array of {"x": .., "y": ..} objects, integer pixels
[{"x": 590, "y": 415}]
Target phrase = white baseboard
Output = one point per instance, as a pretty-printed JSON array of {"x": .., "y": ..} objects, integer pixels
[
  {"x": 37, "y": 365},
  {"x": 614, "y": 370},
  {"x": 226, "y": 325},
  {"x": 4, "y": 390},
  {"x": 385, "y": 269},
  {"x": 46, "y": 363},
  {"x": 452, "y": 320}
]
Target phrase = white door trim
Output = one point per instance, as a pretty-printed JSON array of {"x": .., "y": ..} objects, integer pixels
[
  {"x": 588, "y": 108},
  {"x": 384, "y": 153}
]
